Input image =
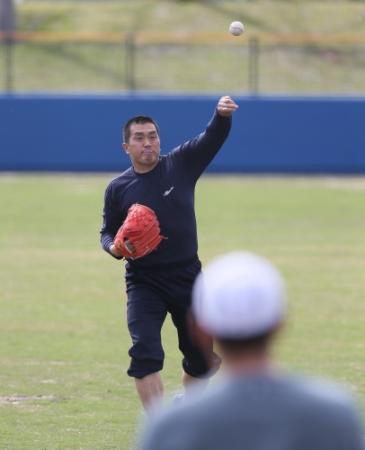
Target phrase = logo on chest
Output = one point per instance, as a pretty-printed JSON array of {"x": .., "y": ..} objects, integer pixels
[{"x": 168, "y": 192}]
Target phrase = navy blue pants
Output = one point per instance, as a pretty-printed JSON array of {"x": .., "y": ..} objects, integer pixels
[{"x": 152, "y": 294}]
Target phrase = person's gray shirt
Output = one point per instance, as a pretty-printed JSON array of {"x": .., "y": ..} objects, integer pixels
[{"x": 260, "y": 413}]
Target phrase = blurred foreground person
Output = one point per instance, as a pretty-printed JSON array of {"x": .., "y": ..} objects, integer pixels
[{"x": 239, "y": 300}]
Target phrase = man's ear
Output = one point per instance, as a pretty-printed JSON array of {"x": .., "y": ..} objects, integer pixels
[
  {"x": 204, "y": 341},
  {"x": 125, "y": 146},
  {"x": 200, "y": 337}
]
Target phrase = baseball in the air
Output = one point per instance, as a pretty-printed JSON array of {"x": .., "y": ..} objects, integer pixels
[{"x": 236, "y": 28}]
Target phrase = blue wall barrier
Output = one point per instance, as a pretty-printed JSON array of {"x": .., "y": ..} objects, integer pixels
[{"x": 269, "y": 134}]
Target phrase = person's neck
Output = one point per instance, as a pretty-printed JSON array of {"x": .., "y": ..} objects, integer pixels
[
  {"x": 247, "y": 363},
  {"x": 144, "y": 169}
]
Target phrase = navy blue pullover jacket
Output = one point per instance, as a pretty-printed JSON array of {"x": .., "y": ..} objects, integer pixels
[{"x": 169, "y": 190}]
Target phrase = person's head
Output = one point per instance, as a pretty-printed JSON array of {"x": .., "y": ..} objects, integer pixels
[
  {"x": 141, "y": 141},
  {"x": 239, "y": 300}
]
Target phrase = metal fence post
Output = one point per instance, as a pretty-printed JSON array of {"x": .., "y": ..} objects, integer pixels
[
  {"x": 130, "y": 63},
  {"x": 7, "y": 27},
  {"x": 8, "y": 49},
  {"x": 253, "y": 65}
]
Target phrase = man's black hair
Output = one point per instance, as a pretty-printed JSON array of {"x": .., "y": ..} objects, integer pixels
[
  {"x": 139, "y": 120},
  {"x": 248, "y": 343}
]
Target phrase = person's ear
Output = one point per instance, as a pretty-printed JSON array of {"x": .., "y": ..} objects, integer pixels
[
  {"x": 125, "y": 147},
  {"x": 205, "y": 342},
  {"x": 278, "y": 329},
  {"x": 200, "y": 337}
]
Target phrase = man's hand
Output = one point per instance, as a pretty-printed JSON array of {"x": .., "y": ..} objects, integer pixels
[
  {"x": 226, "y": 106},
  {"x": 114, "y": 251},
  {"x": 139, "y": 234}
]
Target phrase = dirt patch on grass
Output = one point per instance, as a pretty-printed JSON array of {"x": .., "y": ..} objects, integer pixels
[
  {"x": 19, "y": 399},
  {"x": 352, "y": 183}
]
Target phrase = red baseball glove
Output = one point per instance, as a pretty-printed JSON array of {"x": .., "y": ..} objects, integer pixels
[{"x": 140, "y": 233}]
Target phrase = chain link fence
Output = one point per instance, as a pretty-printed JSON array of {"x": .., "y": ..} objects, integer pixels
[{"x": 258, "y": 64}]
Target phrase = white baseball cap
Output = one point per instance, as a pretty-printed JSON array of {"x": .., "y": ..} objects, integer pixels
[{"x": 239, "y": 295}]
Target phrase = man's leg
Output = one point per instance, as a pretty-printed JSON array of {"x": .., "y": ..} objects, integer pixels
[
  {"x": 200, "y": 362},
  {"x": 146, "y": 314},
  {"x": 206, "y": 345},
  {"x": 150, "y": 390},
  {"x": 188, "y": 381}
]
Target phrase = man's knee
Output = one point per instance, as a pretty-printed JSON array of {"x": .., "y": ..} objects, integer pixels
[
  {"x": 147, "y": 356},
  {"x": 201, "y": 365}
]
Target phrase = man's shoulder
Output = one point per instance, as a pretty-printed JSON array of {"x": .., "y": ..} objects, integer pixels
[
  {"x": 198, "y": 404},
  {"x": 318, "y": 410},
  {"x": 121, "y": 179},
  {"x": 304, "y": 395},
  {"x": 322, "y": 394},
  {"x": 173, "y": 426}
]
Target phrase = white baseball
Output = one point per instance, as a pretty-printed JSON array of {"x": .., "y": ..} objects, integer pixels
[{"x": 236, "y": 28}]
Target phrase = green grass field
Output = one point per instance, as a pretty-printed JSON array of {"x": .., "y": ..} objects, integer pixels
[{"x": 63, "y": 337}]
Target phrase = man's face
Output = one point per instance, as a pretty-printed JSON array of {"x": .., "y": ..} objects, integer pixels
[{"x": 143, "y": 146}]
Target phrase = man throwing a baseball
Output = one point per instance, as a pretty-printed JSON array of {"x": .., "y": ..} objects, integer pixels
[{"x": 149, "y": 219}]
